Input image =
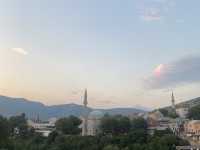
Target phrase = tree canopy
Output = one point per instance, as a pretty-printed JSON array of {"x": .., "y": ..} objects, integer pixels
[
  {"x": 194, "y": 113},
  {"x": 120, "y": 133},
  {"x": 69, "y": 125},
  {"x": 115, "y": 124}
]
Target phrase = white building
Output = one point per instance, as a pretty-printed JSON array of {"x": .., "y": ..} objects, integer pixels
[
  {"x": 45, "y": 128},
  {"x": 90, "y": 122},
  {"x": 94, "y": 120}
]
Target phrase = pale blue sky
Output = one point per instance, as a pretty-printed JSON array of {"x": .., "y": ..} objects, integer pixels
[{"x": 110, "y": 47}]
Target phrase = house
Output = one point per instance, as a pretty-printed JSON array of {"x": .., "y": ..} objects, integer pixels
[
  {"x": 45, "y": 128},
  {"x": 156, "y": 121},
  {"x": 192, "y": 129}
]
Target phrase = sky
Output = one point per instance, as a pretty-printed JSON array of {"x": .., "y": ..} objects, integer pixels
[{"x": 126, "y": 53}]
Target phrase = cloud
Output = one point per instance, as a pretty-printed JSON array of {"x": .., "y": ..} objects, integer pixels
[
  {"x": 20, "y": 51},
  {"x": 154, "y": 10},
  {"x": 183, "y": 71},
  {"x": 151, "y": 14}
]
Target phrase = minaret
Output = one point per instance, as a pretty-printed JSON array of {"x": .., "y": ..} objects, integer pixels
[
  {"x": 173, "y": 101},
  {"x": 85, "y": 117},
  {"x": 85, "y": 102}
]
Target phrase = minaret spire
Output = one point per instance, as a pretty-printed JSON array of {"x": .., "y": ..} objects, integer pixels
[
  {"x": 173, "y": 101},
  {"x": 85, "y": 116},
  {"x": 85, "y": 102}
]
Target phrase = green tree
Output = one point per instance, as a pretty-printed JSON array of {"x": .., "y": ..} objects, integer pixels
[
  {"x": 52, "y": 137},
  {"x": 165, "y": 112},
  {"x": 124, "y": 124},
  {"x": 5, "y": 143},
  {"x": 37, "y": 142},
  {"x": 194, "y": 113},
  {"x": 138, "y": 123},
  {"x": 111, "y": 147},
  {"x": 108, "y": 124},
  {"x": 19, "y": 126},
  {"x": 115, "y": 125},
  {"x": 69, "y": 125},
  {"x": 4, "y": 128},
  {"x": 168, "y": 113}
]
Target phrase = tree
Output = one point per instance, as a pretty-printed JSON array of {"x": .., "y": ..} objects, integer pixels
[
  {"x": 69, "y": 125},
  {"x": 137, "y": 146},
  {"x": 4, "y": 133},
  {"x": 37, "y": 142},
  {"x": 194, "y": 113},
  {"x": 19, "y": 126},
  {"x": 165, "y": 112},
  {"x": 108, "y": 125},
  {"x": 4, "y": 128},
  {"x": 138, "y": 123},
  {"x": 124, "y": 124},
  {"x": 51, "y": 138},
  {"x": 125, "y": 135},
  {"x": 172, "y": 114},
  {"x": 111, "y": 147},
  {"x": 115, "y": 124},
  {"x": 168, "y": 113}
]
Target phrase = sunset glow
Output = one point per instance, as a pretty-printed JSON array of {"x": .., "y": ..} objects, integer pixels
[{"x": 159, "y": 70}]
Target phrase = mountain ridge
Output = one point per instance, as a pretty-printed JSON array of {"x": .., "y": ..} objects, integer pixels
[{"x": 10, "y": 106}]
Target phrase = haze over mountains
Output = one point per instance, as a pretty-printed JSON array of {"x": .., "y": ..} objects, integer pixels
[{"x": 14, "y": 106}]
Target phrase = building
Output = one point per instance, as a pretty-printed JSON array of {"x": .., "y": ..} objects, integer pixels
[
  {"x": 45, "y": 128},
  {"x": 94, "y": 121},
  {"x": 182, "y": 112},
  {"x": 90, "y": 122},
  {"x": 192, "y": 129},
  {"x": 156, "y": 121},
  {"x": 177, "y": 125}
]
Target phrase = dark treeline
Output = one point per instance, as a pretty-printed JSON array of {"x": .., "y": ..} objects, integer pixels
[
  {"x": 118, "y": 133},
  {"x": 194, "y": 113}
]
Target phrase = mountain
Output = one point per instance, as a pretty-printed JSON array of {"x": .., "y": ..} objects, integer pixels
[
  {"x": 186, "y": 104},
  {"x": 15, "y": 106},
  {"x": 147, "y": 109},
  {"x": 190, "y": 103}
]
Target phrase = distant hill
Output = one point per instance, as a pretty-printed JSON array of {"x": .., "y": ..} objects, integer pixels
[
  {"x": 187, "y": 104},
  {"x": 14, "y": 106},
  {"x": 190, "y": 103}
]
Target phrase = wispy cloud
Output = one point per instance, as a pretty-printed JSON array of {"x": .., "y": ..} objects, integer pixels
[
  {"x": 150, "y": 14},
  {"x": 154, "y": 10},
  {"x": 183, "y": 71},
  {"x": 20, "y": 51}
]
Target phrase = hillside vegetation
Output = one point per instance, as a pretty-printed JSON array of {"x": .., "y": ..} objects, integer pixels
[{"x": 118, "y": 133}]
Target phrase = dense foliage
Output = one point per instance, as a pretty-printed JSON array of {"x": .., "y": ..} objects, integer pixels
[
  {"x": 168, "y": 113},
  {"x": 115, "y": 125},
  {"x": 69, "y": 125},
  {"x": 118, "y": 133},
  {"x": 194, "y": 113}
]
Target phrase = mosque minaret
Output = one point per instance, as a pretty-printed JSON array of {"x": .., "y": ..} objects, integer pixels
[
  {"x": 85, "y": 116},
  {"x": 173, "y": 101},
  {"x": 90, "y": 121}
]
